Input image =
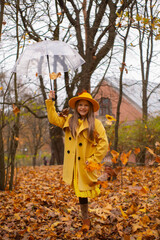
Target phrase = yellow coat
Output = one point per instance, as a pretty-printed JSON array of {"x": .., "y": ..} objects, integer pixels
[{"x": 80, "y": 149}]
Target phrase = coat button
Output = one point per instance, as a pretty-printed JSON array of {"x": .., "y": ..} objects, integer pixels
[
  {"x": 79, "y": 158},
  {"x": 80, "y": 144},
  {"x": 70, "y": 138},
  {"x": 68, "y": 151}
]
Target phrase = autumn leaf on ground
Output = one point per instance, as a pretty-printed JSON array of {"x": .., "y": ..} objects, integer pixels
[
  {"x": 54, "y": 75},
  {"x": 104, "y": 184},
  {"x": 123, "y": 213},
  {"x": 42, "y": 206},
  {"x": 15, "y": 109}
]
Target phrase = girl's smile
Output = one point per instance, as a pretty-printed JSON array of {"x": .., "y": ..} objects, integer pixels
[{"x": 83, "y": 108}]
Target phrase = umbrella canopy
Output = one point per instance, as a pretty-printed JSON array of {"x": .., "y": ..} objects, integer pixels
[{"x": 47, "y": 57}]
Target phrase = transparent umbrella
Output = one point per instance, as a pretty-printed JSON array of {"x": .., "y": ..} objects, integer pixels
[{"x": 48, "y": 56}]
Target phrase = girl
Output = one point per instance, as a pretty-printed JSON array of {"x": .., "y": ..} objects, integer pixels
[{"x": 85, "y": 142}]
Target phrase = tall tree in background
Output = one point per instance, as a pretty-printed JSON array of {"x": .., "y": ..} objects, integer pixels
[
  {"x": 147, "y": 18},
  {"x": 122, "y": 70},
  {"x": 1, "y": 16}
]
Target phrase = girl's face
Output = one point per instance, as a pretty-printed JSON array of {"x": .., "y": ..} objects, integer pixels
[{"x": 83, "y": 108}]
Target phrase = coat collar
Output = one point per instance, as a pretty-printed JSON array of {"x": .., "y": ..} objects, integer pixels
[{"x": 82, "y": 127}]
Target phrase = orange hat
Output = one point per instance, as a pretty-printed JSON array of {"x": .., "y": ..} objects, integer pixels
[{"x": 84, "y": 96}]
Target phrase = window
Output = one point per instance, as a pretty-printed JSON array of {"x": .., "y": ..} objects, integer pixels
[{"x": 105, "y": 106}]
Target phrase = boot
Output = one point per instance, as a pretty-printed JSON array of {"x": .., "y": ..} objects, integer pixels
[
  {"x": 86, "y": 221},
  {"x": 86, "y": 225}
]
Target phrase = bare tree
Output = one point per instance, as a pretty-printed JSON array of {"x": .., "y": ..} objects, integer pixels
[
  {"x": 1, "y": 17},
  {"x": 147, "y": 20},
  {"x": 122, "y": 69}
]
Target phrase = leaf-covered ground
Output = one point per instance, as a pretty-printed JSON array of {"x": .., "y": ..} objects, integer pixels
[{"x": 42, "y": 207}]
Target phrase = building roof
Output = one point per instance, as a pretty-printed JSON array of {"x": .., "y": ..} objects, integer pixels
[{"x": 132, "y": 91}]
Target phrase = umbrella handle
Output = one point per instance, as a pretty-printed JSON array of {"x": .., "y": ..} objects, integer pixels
[
  {"x": 52, "y": 88},
  {"x": 54, "y": 99}
]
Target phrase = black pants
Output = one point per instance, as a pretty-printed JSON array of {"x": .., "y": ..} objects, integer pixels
[{"x": 83, "y": 200}]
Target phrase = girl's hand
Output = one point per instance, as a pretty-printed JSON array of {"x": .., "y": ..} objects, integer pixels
[{"x": 51, "y": 95}]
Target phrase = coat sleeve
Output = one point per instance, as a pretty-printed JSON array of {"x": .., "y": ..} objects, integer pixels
[
  {"x": 102, "y": 146},
  {"x": 53, "y": 115}
]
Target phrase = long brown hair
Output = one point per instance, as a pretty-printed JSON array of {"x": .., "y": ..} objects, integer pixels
[{"x": 73, "y": 122}]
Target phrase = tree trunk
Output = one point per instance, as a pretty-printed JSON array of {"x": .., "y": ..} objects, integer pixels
[
  {"x": 34, "y": 161},
  {"x": 57, "y": 145},
  {"x": 2, "y": 164},
  {"x": 13, "y": 148},
  {"x": 1, "y": 17}
]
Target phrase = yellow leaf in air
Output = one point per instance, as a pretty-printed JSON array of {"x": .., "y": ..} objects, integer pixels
[
  {"x": 150, "y": 151},
  {"x": 59, "y": 13},
  {"x": 114, "y": 153},
  {"x": 115, "y": 156},
  {"x": 54, "y": 75},
  {"x": 114, "y": 160},
  {"x": 124, "y": 157},
  {"x": 110, "y": 118},
  {"x": 1, "y": 88},
  {"x": 137, "y": 150},
  {"x": 15, "y": 109}
]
